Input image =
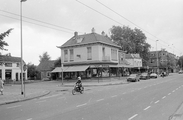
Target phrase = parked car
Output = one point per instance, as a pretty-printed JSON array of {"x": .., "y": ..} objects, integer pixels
[
  {"x": 153, "y": 75},
  {"x": 133, "y": 78},
  {"x": 144, "y": 76},
  {"x": 181, "y": 71}
]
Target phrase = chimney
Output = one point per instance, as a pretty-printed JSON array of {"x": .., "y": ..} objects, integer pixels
[
  {"x": 93, "y": 30},
  {"x": 75, "y": 34}
]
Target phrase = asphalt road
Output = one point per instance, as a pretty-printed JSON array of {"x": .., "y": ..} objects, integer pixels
[{"x": 154, "y": 99}]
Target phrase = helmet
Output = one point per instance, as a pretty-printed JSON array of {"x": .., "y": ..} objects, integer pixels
[{"x": 79, "y": 78}]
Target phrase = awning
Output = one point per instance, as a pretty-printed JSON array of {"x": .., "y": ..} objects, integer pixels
[
  {"x": 76, "y": 68},
  {"x": 70, "y": 69},
  {"x": 59, "y": 69}
]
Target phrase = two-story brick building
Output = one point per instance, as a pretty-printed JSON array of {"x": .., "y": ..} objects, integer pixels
[
  {"x": 91, "y": 55},
  {"x": 162, "y": 60},
  {"x": 10, "y": 68}
]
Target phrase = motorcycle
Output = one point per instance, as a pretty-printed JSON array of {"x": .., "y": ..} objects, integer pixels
[{"x": 77, "y": 89}]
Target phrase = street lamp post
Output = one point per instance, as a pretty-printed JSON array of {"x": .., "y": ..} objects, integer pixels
[
  {"x": 157, "y": 57},
  {"x": 22, "y": 92}
]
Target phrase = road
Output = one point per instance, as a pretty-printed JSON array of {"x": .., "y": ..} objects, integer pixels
[{"x": 154, "y": 99}]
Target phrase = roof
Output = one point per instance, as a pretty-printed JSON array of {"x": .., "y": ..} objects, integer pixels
[
  {"x": 88, "y": 39},
  {"x": 132, "y": 56},
  {"x": 6, "y": 58},
  {"x": 46, "y": 65}
]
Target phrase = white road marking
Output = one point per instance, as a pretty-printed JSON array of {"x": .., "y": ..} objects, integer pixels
[
  {"x": 114, "y": 96},
  {"x": 81, "y": 105},
  {"x": 156, "y": 101},
  {"x": 50, "y": 96},
  {"x": 41, "y": 101},
  {"x": 29, "y": 119},
  {"x": 164, "y": 97},
  {"x": 14, "y": 106},
  {"x": 173, "y": 91},
  {"x": 169, "y": 93},
  {"x": 132, "y": 117},
  {"x": 100, "y": 100},
  {"x": 177, "y": 88},
  {"x": 147, "y": 108}
]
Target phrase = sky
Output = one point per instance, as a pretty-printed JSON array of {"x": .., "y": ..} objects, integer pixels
[{"x": 47, "y": 24}]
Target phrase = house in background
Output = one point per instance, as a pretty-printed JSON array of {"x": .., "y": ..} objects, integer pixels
[
  {"x": 90, "y": 55},
  {"x": 45, "y": 68},
  {"x": 10, "y": 68}
]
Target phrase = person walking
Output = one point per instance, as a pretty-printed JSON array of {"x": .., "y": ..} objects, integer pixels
[{"x": 1, "y": 86}]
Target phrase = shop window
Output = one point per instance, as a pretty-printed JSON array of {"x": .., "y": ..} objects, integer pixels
[{"x": 8, "y": 64}]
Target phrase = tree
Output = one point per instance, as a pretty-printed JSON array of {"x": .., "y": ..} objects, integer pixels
[
  {"x": 2, "y": 36},
  {"x": 180, "y": 62},
  {"x": 131, "y": 41},
  {"x": 58, "y": 62},
  {"x": 44, "y": 57},
  {"x": 31, "y": 71}
]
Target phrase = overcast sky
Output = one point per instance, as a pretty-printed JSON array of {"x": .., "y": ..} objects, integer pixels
[{"x": 159, "y": 19}]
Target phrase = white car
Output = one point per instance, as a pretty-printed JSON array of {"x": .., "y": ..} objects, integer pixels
[{"x": 153, "y": 75}]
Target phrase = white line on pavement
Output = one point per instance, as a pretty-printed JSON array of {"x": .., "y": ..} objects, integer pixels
[
  {"x": 132, "y": 117},
  {"x": 164, "y": 97},
  {"x": 100, "y": 100},
  {"x": 81, "y": 105},
  {"x": 29, "y": 119},
  {"x": 173, "y": 91},
  {"x": 147, "y": 108},
  {"x": 114, "y": 96},
  {"x": 14, "y": 106},
  {"x": 50, "y": 96},
  {"x": 41, "y": 101},
  {"x": 156, "y": 101},
  {"x": 169, "y": 93}
]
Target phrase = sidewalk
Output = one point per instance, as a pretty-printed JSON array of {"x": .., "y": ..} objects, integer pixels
[
  {"x": 12, "y": 93},
  {"x": 178, "y": 115}
]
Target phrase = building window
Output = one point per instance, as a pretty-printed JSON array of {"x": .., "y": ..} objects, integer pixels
[
  {"x": 8, "y": 64},
  {"x": 65, "y": 55},
  {"x": 1, "y": 64},
  {"x": 18, "y": 64},
  {"x": 71, "y": 55},
  {"x": 89, "y": 53},
  {"x": 103, "y": 51},
  {"x": 114, "y": 54},
  {"x": 48, "y": 74}
]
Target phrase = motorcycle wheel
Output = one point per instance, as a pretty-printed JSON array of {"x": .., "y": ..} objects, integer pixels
[{"x": 73, "y": 92}]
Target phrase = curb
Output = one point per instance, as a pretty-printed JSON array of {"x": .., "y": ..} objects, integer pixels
[{"x": 25, "y": 99}]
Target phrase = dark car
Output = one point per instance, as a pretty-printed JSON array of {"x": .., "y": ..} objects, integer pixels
[
  {"x": 133, "y": 78},
  {"x": 153, "y": 75},
  {"x": 144, "y": 76}
]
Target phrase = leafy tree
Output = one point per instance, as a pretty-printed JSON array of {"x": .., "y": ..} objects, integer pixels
[
  {"x": 44, "y": 57},
  {"x": 57, "y": 62},
  {"x": 31, "y": 71},
  {"x": 180, "y": 62},
  {"x": 131, "y": 41},
  {"x": 2, "y": 36}
]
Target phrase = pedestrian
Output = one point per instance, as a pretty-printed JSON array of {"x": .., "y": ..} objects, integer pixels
[{"x": 1, "y": 86}]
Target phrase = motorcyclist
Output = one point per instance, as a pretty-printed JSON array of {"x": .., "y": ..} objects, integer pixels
[{"x": 79, "y": 83}]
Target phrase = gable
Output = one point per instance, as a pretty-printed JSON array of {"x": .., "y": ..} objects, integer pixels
[{"x": 46, "y": 65}]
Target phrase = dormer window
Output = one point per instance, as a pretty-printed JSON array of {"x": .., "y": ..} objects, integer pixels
[{"x": 79, "y": 40}]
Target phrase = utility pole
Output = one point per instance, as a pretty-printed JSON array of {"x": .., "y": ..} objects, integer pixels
[{"x": 157, "y": 58}]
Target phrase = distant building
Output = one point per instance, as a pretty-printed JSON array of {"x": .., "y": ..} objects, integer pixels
[
  {"x": 45, "y": 68},
  {"x": 91, "y": 55},
  {"x": 10, "y": 68},
  {"x": 162, "y": 60}
]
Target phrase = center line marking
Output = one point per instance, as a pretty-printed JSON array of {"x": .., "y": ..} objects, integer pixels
[
  {"x": 169, "y": 93},
  {"x": 164, "y": 97},
  {"x": 157, "y": 101},
  {"x": 114, "y": 96},
  {"x": 13, "y": 106},
  {"x": 132, "y": 117},
  {"x": 147, "y": 108},
  {"x": 100, "y": 100},
  {"x": 41, "y": 101},
  {"x": 81, "y": 105}
]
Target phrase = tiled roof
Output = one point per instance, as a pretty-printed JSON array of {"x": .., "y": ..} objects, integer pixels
[
  {"x": 89, "y": 38},
  {"x": 46, "y": 65},
  {"x": 5, "y": 58}
]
